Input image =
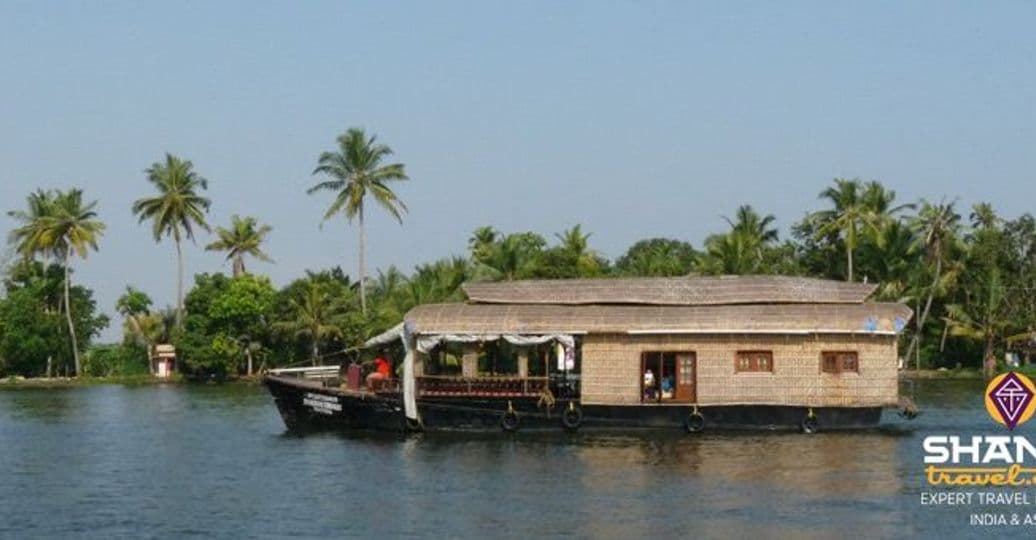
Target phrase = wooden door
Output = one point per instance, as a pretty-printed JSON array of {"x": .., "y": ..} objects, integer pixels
[{"x": 687, "y": 377}]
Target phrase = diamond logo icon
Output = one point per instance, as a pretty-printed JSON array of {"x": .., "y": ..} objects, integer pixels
[{"x": 1010, "y": 397}]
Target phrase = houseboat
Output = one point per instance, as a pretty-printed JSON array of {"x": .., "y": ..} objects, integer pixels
[{"x": 687, "y": 353}]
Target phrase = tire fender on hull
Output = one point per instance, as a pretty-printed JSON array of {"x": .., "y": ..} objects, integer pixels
[
  {"x": 510, "y": 421},
  {"x": 572, "y": 418},
  {"x": 695, "y": 422},
  {"x": 810, "y": 424}
]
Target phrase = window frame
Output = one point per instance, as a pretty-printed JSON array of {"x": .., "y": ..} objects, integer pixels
[
  {"x": 839, "y": 362},
  {"x": 753, "y": 361}
]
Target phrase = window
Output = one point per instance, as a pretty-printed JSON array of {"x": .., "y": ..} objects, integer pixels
[
  {"x": 748, "y": 361},
  {"x": 839, "y": 362}
]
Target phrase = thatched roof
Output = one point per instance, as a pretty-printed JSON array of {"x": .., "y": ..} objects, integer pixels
[
  {"x": 681, "y": 291},
  {"x": 458, "y": 318}
]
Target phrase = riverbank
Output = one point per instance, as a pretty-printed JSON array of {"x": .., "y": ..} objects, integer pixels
[{"x": 961, "y": 373}]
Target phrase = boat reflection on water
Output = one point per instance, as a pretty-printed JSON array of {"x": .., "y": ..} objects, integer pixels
[{"x": 614, "y": 485}]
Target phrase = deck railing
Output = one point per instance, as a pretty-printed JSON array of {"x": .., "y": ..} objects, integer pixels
[
  {"x": 481, "y": 386},
  {"x": 311, "y": 372}
]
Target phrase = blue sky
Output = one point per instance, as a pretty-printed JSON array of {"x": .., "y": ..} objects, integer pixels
[{"x": 636, "y": 120}]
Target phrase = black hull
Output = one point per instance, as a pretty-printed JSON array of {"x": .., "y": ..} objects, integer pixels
[{"x": 306, "y": 406}]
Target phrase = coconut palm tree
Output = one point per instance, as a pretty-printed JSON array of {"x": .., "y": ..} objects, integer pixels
[
  {"x": 750, "y": 235},
  {"x": 481, "y": 242},
  {"x": 895, "y": 262},
  {"x": 937, "y": 226},
  {"x": 849, "y": 214},
  {"x": 73, "y": 227},
  {"x": 439, "y": 281},
  {"x": 987, "y": 318},
  {"x": 983, "y": 216},
  {"x": 516, "y": 256},
  {"x": 175, "y": 211},
  {"x": 158, "y": 326},
  {"x": 356, "y": 170},
  {"x": 730, "y": 254},
  {"x": 244, "y": 237},
  {"x": 657, "y": 257},
  {"x": 134, "y": 305},
  {"x": 387, "y": 291},
  {"x": 575, "y": 246},
  {"x": 315, "y": 315},
  {"x": 880, "y": 202},
  {"x": 30, "y": 236},
  {"x": 748, "y": 223}
]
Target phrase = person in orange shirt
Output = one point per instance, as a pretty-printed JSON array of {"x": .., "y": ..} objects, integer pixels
[{"x": 382, "y": 370}]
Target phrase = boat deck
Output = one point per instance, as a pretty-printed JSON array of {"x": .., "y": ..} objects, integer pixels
[{"x": 324, "y": 386}]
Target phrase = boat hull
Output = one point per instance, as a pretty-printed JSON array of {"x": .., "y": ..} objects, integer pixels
[{"x": 307, "y": 406}]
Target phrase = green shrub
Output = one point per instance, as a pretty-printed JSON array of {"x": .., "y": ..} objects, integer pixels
[{"x": 116, "y": 360}]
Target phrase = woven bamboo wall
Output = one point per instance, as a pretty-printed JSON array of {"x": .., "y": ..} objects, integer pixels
[{"x": 611, "y": 369}]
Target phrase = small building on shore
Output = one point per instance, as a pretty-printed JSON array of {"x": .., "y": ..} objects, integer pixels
[{"x": 163, "y": 360}]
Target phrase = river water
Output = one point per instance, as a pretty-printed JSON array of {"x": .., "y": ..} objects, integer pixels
[{"x": 214, "y": 461}]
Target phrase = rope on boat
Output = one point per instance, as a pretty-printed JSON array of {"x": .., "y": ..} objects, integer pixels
[
  {"x": 305, "y": 362},
  {"x": 547, "y": 400}
]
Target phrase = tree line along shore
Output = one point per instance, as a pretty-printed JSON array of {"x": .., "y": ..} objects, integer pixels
[{"x": 968, "y": 273}]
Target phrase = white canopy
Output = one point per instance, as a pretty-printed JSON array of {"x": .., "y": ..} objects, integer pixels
[
  {"x": 386, "y": 337},
  {"x": 428, "y": 342}
]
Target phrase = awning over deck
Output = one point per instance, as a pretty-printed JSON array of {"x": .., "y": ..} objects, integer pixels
[
  {"x": 388, "y": 336},
  {"x": 427, "y": 341}
]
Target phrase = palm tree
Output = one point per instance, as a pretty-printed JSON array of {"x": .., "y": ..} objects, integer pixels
[
  {"x": 481, "y": 242},
  {"x": 30, "y": 236},
  {"x": 244, "y": 237},
  {"x": 315, "y": 315},
  {"x": 986, "y": 319},
  {"x": 135, "y": 305},
  {"x": 516, "y": 256},
  {"x": 748, "y": 223},
  {"x": 879, "y": 201},
  {"x": 439, "y": 281},
  {"x": 983, "y": 216},
  {"x": 176, "y": 210},
  {"x": 850, "y": 212},
  {"x": 386, "y": 294},
  {"x": 158, "y": 327},
  {"x": 750, "y": 234},
  {"x": 251, "y": 348},
  {"x": 894, "y": 263},
  {"x": 575, "y": 245},
  {"x": 730, "y": 254},
  {"x": 936, "y": 226},
  {"x": 74, "y": 227},
  {"x": 356, "y": 170},
  {"x": 657, "y": 257}
]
